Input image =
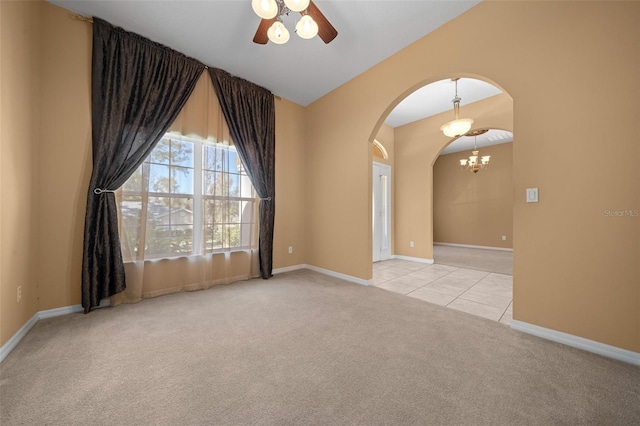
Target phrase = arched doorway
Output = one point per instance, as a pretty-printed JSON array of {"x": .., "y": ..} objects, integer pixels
[
  {"x": 417, "y": 145},
  {"x": 473, "y": 205}
]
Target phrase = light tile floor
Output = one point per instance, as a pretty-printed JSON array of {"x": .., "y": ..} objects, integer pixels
[{"x": 480, "y": 293}]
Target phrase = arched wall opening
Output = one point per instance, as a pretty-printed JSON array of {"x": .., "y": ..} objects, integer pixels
[
  {"x": 417, "y": 146},
  {"x": 473, "y": 207}
]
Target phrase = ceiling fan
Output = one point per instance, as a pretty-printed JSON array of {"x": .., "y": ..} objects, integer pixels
[{"x": 271, "y": 27}]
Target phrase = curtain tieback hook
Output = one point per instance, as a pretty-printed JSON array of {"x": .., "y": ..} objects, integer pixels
[{"x": 99, "y": 191}]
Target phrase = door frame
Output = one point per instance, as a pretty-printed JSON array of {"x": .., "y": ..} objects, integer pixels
[{"x": 384, "y": 253}]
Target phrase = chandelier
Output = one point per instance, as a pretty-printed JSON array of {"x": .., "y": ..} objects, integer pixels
[
  {"x": 475, "y": 163},
  {"x": 268, "y": 9},
  {"x": 458, "y": 126}
]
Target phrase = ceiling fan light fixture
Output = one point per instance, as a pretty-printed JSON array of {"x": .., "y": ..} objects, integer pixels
[
  {"x": 297, "y": 5},
  {"x": 278, "y": 33},
  {"x": 266, "y": 9},
  {"x": 315, "y": 24},
  {"x": 306, "y": 27}
]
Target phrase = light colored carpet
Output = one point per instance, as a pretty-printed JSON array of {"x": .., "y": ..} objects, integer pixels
[
  {"x": 304, "y": 349},
  {"x": 498, "y": 261}
]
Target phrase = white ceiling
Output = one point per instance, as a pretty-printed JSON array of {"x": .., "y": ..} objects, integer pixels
[
  {"x": 219, "y": 33},
  {"x": 437, "y": 97},
  {"x": 466, "y": 143}
]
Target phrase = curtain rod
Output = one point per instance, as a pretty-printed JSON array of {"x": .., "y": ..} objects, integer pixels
[{"x": 78, "y": 17}]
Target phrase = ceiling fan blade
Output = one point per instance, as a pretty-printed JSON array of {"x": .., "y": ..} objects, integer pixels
[
  {"x": 325, "y": 30},
  {"x": 261, "y": 34}
]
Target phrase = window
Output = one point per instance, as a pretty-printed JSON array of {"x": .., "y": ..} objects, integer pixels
[
  {"x": 189, "y": 197},
  {"x": 379, "y": 150}
]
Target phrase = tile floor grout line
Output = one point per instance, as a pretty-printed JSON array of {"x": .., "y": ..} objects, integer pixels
[
  {"x": 501, "y": 316},
  {"x": 431, "y": 286},
  {"x": 485, "y": 304},
  {"x": 456, "y": 298}
]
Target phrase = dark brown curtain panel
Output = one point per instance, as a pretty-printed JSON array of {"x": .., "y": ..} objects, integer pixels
[
  {"x": 250, "y": 113},
  {"x": 138, "y": 88}
]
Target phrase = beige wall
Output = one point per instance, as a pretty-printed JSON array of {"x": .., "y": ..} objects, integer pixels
[
  {"x": 576, "y": 270},
  {"x": 474, "y": 208},
  {"x": 45, "y": 158},
  {"x": 290, "y": 225},
  {"x": 338, "y": 161},
  {"x": 20, "y": 39},
  {"x": 65, "y": 156}
]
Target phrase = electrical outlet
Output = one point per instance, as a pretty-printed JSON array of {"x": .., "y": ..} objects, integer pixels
[
  {"x": 504, "y": 238},
  {"x": 19, "y": 293},
  {"x": 290, "y": 249},
  {"x": 410, "y": 243}
]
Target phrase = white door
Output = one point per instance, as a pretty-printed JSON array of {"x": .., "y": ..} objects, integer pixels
[{"x": 381, "y": 235}]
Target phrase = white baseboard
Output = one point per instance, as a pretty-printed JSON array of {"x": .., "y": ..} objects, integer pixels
[
  {"x": 414, "y": 259},
  {"x": 473, "y": 247},
  {"x": 6, "y": 349},
  {"x": 338, "y": 275},
  {"x": 50, "y": 313},
  {"x": 288, "y": 269},
  {"x": 322, "y": 271},
  {"x": 578, "y": 342}
]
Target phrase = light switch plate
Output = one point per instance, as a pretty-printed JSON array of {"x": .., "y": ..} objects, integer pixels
[{"x": 532, "y": 195}]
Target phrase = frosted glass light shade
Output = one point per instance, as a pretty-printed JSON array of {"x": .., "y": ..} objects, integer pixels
[
  {"x": 278, "y": 33},
  {"x": 297, "y": 5},
  {"x": 266, "y": 9},
  {"x": 307, "y": 27},
  {"x": 457, "y": 127}
]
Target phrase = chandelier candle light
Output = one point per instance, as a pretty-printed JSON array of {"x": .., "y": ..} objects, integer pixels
[
  {"x": 269, "y": 9},
  {"x": 472, "y": 163},
  {"x": 458, "y": 126}
]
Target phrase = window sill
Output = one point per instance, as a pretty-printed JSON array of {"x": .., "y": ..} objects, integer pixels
[{"x": 195, "y": 256}]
